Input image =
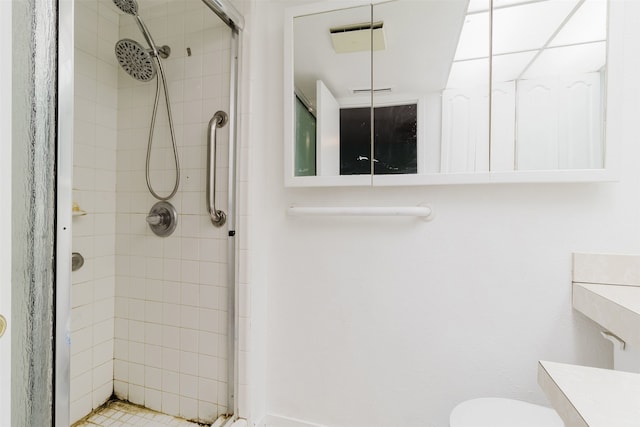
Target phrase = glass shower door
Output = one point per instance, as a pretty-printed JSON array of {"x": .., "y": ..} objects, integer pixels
[{"x": 5, "y": 213}]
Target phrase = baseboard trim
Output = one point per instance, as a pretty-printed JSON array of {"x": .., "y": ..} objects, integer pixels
[{"x": 272, "y": 420}]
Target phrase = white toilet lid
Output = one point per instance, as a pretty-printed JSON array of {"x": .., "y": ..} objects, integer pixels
[{"x": 497, "y": 412}]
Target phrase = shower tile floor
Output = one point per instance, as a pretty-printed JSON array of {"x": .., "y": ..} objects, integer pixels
[{"x": 123, "y": 414}]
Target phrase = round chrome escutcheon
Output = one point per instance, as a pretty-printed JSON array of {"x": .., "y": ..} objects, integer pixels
[{"x": 3, "y": 325}]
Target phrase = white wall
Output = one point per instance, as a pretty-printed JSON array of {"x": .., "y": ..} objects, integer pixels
[
  {"x": 376, "y": 322},
  {"x": 94, "y": 189}
]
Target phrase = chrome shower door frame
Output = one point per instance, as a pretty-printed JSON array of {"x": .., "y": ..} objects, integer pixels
[
  {"x": 64, "y": 171},
  {"x": 232, "y": 249},
  {"x": 235, "y": 21},
  {"x": 6, "y": 37},
  {"x": 64, "y": 167}
]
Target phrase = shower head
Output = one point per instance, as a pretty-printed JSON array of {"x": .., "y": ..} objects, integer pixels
[
  {"x": 131, "y": 7},
  {"x": 135, "y": 60},
  {"x": 127, "y": 6}
]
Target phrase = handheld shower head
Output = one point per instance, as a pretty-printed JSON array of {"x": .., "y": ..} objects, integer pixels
[
  {"x": 135, "y": 60},
  {"x": 140, "y": 63},
  {"x": 127, "y": 6},
  {"x": 131, "y": 7}
]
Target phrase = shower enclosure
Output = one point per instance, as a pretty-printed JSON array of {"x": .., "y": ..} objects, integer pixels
[{"x": 152, "y": 319}]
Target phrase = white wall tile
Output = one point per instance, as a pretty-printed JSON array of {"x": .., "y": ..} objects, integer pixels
[
  {"x": 171, "y": 382},
  {"x": 189, "y": 386},
  {"x": 137, "y": 288},
  {"x": 81, "y": 317},
  {"x": 136, "y": 373},
  {"x": 153, "y": 356},
  {"x": 121, "y": 370},
  {"x": 102, "y": 310},
  {"x": 208, "y": 344},
  {"x": 81, "y": 407},
  {"x": 188, "y": 317},
  {"x": 189, "y": 340},
  {"x": 207, "y": 367},
  {"x": 136, "y": 331},
  {"x": 188, "y": 364},
  {"x": 81, "y": 362},
  {"x": 167, "y": 290},
  {"x": 170, "y": 403},
  {"x": 209, "y": 273},
  {"x": 172, "y": 270},
  {"x": 207, "y": 410},
  {"x": 136, "y": 353},
  {"x": 153, "y": 378},
  {"x": 208, "y": 320},
  {"x": 153, "y": 334},
  {"x": 153, "y": 290},
  {"x": 104, "y": 331},
  {"x": 103, "y": 376},
  {"x": 153, "y": 399},
  {"x": 223, "y": 370},
  {"x": 188, "y": 408},
  {"x": 153, "y": 312},
  {"x": 136, "y": 394},
  {"x": 121, "y": 328},
  {"x": 207, "y": 390},
  {"x": 121, "y": 389},
  {"x": 189, "y": 271},
  {"x": 79, "y": 384},
  {"x": 171, "y": 314},
  {"x": 194, "y": 86},
  {"x": 81, "y": 294},
  {"x": 189, "y": 294},
  {"x": 136, "y": 310},
  {"x": 121, "y": 349},
  {"x": 208, "y": 296},
  {"x": 222, "y": 394},
  {"x": 170, "y": 359}
]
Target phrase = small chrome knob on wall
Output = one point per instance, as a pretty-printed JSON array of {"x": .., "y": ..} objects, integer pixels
[
  {"x": 77, "y": 261},
  {"x": 163, "y": 219},
  {"x": 3, "y": 325}
]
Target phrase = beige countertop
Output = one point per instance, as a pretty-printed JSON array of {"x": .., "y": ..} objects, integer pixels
[{"x": 591, "y": 397}]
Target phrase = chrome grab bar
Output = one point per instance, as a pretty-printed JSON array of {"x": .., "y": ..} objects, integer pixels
[{"x": 218, "y": 217}]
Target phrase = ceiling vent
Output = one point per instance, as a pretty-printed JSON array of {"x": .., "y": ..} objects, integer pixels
[
  {"x": 381, "y": 90},
  {"x": 358, "y": 37}
]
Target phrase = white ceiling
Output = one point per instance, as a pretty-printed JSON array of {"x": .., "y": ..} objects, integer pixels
[
  {"x": 531, "y": 38},
  {"x": 421, "y": 39}
]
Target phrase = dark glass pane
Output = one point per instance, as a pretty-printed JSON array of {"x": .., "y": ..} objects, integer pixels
[
  {"x": 396, "y": 140},
  {"x": 395, "y": 143},
  {"x": 355, "y": 141}
]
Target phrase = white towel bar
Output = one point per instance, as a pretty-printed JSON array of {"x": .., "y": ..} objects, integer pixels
[{"x": 419, "y": 211}]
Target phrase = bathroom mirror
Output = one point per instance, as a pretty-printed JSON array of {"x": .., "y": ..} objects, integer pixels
[
  {"x": 548, "y": 85},
  {"x": 434, "y": 92},
  {"x": 332, "y": 72}
]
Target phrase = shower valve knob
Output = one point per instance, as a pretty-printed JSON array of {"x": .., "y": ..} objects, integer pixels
[
  {"x": 155, "y": 219},
  {"x": 162, "y": 219}
]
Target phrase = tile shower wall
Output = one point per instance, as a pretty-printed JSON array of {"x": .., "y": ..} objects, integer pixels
[
  {"x": 94, "y": 186},
  {"x": 171, "y": 293}
]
